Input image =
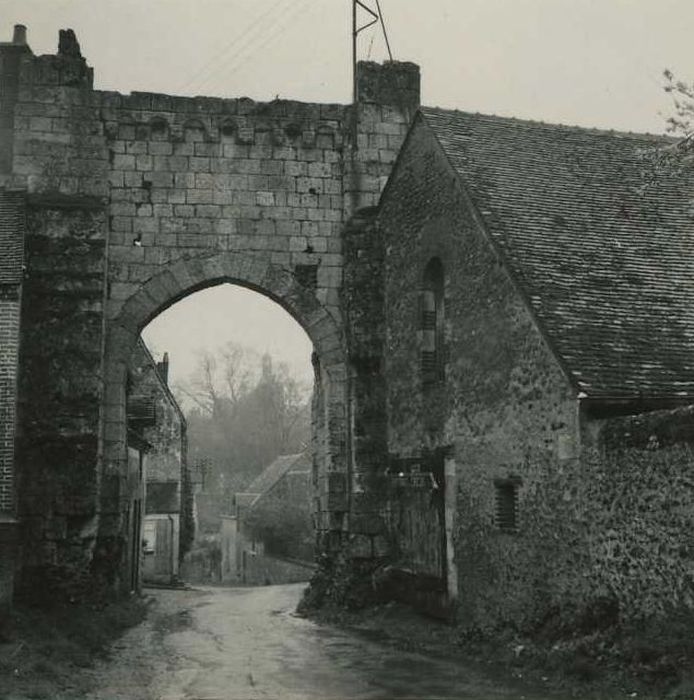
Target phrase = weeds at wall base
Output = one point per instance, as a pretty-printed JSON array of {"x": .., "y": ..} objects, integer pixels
[
  {"x": 609, "y": 659},
  {"x": 344, "y": 583},
  {"x": 41, "y": 648},
  {"x": 596, "y": 656}
]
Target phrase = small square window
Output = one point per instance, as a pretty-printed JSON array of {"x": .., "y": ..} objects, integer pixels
[{"x": 506, "y": 495}]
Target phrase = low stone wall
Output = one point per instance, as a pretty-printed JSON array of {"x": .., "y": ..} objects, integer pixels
[
  {"x": 641, "y": 512},
  {"x": 263, "y": 570},
  {"x": 606, "y": 539}
]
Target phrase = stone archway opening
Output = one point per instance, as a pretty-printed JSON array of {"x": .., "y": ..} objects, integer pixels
[
  {"x": 121, "y": 547},
  {"x": 239, "y": 367}
]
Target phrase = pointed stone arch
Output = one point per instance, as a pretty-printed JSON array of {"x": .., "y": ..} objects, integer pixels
[{"x": 173, "y": 282}]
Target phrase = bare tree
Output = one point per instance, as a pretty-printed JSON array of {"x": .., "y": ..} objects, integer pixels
[
  {"x": 244, "y": 411},
  {"x": 681, "y": 124},
  {"x": 664, "y": 162},
  {"x": 221, "y": 380}
]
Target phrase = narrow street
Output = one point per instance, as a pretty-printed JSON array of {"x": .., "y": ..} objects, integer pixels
[{"x": 247, "y": 643}]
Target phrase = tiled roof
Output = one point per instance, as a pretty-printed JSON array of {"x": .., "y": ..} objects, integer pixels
[
  {"x": 607, "y": 266},
  {"x": 276, "y": 470},
  {"x": 11, "y": 236}
]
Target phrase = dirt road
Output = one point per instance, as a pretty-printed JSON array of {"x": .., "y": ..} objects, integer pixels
[{"x": 247, "y": 644}]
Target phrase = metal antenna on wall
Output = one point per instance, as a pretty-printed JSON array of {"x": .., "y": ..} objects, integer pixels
[{"x": 376, "y": 16}]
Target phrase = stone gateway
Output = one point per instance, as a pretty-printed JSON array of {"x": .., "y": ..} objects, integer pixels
[{"x": 504, "y": 370}]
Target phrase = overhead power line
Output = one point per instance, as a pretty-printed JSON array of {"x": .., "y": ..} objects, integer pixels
[
  {"x": 249, "y": 28},
  {"x": 252, "y": 37},
  {"x": 271, "y": 37}
]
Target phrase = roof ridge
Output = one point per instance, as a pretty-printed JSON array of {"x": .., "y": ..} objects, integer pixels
[{"x": 426, "y": 110}]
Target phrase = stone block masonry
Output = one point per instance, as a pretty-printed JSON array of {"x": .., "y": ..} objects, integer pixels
[
  {"x": 135, "y": 201},
  {"x": 194, "y": 175}
]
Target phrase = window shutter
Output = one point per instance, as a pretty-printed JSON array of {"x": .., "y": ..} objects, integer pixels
[{"x": 506, "y": 493}]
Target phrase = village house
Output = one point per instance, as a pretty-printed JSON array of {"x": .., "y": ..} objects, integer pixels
[
  {"x": 155, "y": 418},
  {"x": 269, "y": 538},
  {"x": 537, "y": 370}
]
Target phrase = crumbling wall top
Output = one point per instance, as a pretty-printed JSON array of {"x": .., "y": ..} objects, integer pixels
[{"x": 389, "y": 83}]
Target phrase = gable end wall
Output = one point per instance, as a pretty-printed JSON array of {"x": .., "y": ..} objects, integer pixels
[{"x": 505, "y": 409}]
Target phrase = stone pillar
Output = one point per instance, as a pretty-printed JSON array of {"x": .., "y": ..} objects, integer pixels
[
  {"x": 60, "y": 159},
  {"x": 388, "y": 97},
  {"x": 363, "y": 308}
]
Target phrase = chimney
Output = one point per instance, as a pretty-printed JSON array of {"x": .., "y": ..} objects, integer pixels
[
  {"x": 163, "y": 368},
  {"x": 19, "y": 37}
]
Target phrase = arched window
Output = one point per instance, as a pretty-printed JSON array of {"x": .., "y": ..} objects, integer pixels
[{"x": 432, "y": 357}]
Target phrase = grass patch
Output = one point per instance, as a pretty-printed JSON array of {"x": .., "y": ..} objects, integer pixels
[
  {"x": 597, "y": 657},
  {"x": 605, "y": 658},
  {"x": 42, "y": 650}
]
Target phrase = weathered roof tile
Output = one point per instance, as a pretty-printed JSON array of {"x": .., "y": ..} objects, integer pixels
[{"x": 603, "y": 250}]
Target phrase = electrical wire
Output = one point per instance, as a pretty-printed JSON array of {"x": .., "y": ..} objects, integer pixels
[
  {"x": 243, "y": 33},
  {"x": 280, "y": 30},
  {"x": 299, "y": 10},
  {"x": 243, "y": 36},
  {"x": 252, "y": 35},
  {"x": 248, "y": 41}
]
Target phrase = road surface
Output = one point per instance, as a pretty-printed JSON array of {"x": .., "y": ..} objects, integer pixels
[{"x": 247, "y": 644}]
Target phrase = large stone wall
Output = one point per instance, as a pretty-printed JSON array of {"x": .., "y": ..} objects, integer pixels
[
  {"x": 504, "y": 410},
  {"x": 60, "y": 392},
  {"x": 57, "y": 156},
  {"x": 135, "y": 201}
]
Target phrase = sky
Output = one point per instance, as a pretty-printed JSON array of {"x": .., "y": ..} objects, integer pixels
[
  {"x": 228, "y": 313},
  {"x": 594, "y": 63}
]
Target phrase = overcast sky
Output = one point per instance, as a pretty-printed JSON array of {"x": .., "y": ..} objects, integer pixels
[{"x": 586, "y": 62}]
